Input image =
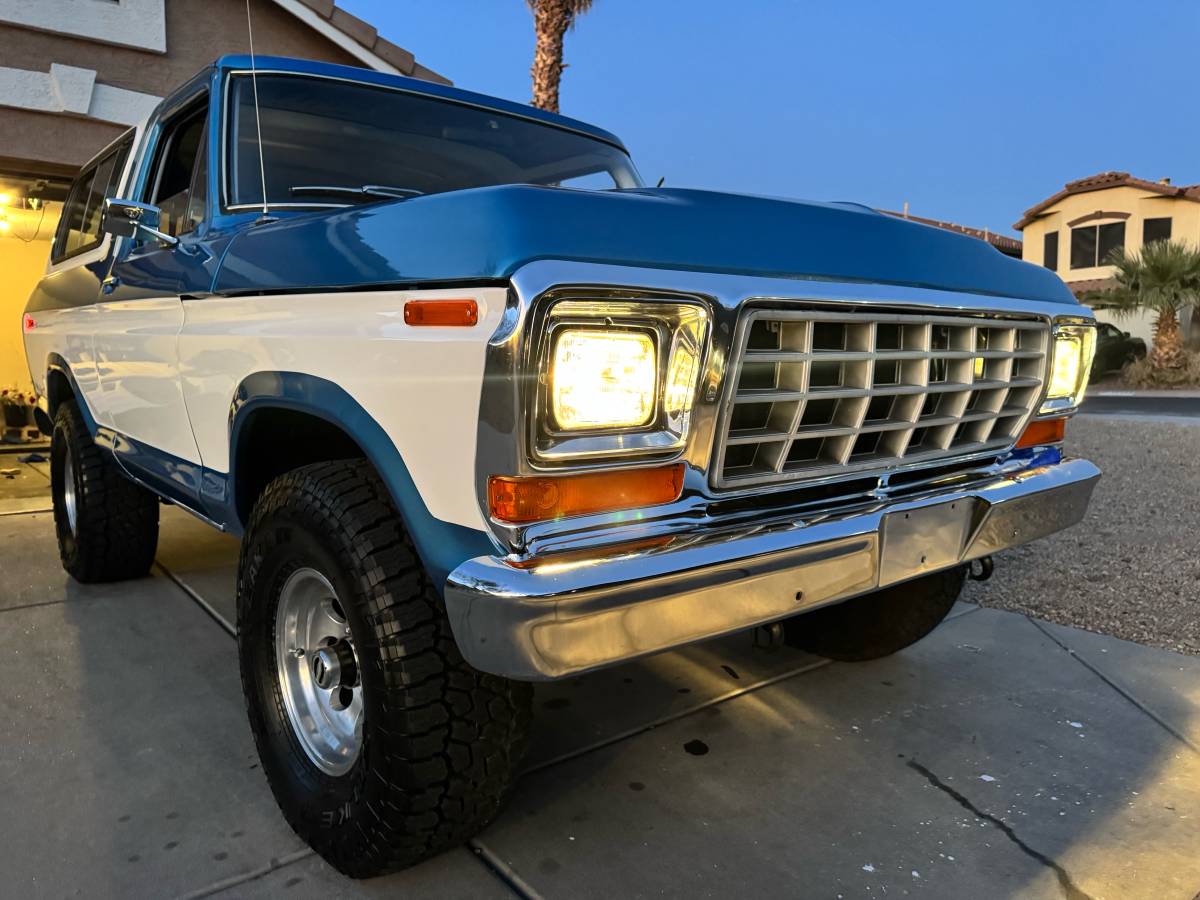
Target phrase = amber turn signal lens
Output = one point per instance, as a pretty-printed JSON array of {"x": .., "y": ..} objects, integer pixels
[
  {"x": 1043, "y": 431},
  {"x": 519, "y": 500},
  {"x": 441, "y": 312}
]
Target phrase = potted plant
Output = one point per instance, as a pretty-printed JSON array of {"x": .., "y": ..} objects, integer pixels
[{"x": 19, "y": 424}]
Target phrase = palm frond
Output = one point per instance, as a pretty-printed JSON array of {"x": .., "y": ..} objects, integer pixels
[{"x": 1163, "y": 275}]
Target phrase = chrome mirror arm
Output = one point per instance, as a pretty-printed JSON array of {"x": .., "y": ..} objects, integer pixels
[{"x": 162, "y": 237}]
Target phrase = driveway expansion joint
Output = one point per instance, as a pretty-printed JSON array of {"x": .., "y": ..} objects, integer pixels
[
  {"x": 674, "y": 717},
  {"x": 1146, "y": 710},
  {"x": 226, "y": 626},
  {"x": 233, "y": 881},
  {"x": 1070, "y": 890},
  {"x": 502, "y": 870},
  {"x": 39, "y": 603}
]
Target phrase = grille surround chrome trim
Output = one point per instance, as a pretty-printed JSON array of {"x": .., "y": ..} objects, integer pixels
[
  {"x": 1011, "y": 365},
  {"x": 502, "y": 438}
]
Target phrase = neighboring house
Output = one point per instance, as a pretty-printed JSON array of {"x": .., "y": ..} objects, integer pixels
[
  {"x": 1009, "y": 246},
  {"x": 1074, "y": 231},
  {"x": 75, "y": 74}
]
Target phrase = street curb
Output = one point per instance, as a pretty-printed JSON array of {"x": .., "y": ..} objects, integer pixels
[{"x": 1149, "y": 395}]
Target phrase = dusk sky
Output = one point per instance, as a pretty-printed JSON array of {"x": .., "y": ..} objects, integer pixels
[{"x": 969, "y": 111}]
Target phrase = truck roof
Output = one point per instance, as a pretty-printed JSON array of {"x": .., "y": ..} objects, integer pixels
[{"x": 414, "y": 85}]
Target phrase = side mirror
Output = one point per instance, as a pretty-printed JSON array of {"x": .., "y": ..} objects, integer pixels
[
  {"x": 125, "y": 218},
  {"x": 1125, "y": 333}
]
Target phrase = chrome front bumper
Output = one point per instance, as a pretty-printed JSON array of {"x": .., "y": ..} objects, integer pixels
[{"x": 565, "y": 618}]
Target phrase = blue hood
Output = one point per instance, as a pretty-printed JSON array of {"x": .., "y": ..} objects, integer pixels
[{"x": 489, "y": 233}]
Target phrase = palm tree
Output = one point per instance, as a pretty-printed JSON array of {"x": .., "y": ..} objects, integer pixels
[
  {"x": 551, "y": 19},
  {"x": 1163, "y": 277}
]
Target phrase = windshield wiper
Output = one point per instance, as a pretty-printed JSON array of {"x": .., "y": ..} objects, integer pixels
[{"x": 364, "y": 191}]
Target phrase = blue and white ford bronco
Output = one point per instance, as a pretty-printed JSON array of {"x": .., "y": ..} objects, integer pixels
[{"x": 486, "y": 410}]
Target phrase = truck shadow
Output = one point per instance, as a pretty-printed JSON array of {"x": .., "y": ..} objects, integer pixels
[{"x": 986, "y": 758}]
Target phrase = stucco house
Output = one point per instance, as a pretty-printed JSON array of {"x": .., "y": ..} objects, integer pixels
[
  {"x": 1073, "y": 232},
  {"x": 75, "y": 74}
]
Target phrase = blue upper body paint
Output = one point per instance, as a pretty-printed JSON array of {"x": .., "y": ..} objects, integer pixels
[{"x": 489, "y": 233}]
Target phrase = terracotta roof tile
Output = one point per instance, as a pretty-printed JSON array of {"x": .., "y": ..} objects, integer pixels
[
  {"x": 999, "y": 241},
  {"x": 1103, "y": 181},
  {"x": 363, "y": 32},
  {"x": 1085, "y": 286},
  {"x": 397, "y": 56},
  {"x": 323, "y": 8},
  {"x": 419, "y": 71},
  {"x": 366, "y": 35}
]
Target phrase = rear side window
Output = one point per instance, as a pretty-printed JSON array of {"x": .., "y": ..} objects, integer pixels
[{"x": 79, "y": 228}]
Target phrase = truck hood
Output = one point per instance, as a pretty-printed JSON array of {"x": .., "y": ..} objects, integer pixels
[{"x": 489, "y": 233}]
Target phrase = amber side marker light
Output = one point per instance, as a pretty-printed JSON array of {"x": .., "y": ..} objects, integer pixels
[
  {"x": 461, "y": 313},
  {"x": 1043, "y": 431},
  {"x": 519, "y": 500}
]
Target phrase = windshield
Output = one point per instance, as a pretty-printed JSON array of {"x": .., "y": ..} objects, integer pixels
[{"x": 323, "y": 133}]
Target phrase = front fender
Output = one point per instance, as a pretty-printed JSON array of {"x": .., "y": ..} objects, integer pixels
[{"x": 441, "y": 545}]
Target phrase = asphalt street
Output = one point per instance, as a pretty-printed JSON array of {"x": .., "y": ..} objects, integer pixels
[{"x": 1146, "y": 405}]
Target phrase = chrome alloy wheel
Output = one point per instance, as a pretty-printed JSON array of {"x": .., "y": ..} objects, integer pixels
[
  {"x": 68, "y": 479},
  {"x": 317, "y": 669}
]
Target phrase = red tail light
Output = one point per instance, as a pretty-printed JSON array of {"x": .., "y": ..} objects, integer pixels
[{"x": 28, "y": 323}]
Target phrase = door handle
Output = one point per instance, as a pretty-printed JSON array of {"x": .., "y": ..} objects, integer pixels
[{"x": 109, "y": 284}]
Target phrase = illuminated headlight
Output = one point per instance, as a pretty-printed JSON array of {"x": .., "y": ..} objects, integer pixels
[
  {"x": 1070, "y": 366},
  {"x": 617, "y": 378},
  {"x": 603, "y": 379}
]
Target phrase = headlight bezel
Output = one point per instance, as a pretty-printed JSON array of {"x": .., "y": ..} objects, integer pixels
[
  {"x": 1064, "y": 399},
  {"x": 676, "y": 326}
]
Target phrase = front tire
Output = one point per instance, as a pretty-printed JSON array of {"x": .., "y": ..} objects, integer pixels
[
  {"x": 107, "y": 525},
  {"x": 405, "y": 750},
  {"x": 877, "y": 624}
]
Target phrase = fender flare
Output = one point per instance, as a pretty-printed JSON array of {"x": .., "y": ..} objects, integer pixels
[
  {"x": 55, "y": 363},
  {"x": 441, "y": 545}
]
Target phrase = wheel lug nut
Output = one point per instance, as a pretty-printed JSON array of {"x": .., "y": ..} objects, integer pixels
[{"x": 298, "y": 653}]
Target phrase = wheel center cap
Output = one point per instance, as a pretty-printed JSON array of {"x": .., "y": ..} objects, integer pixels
[
  {"x": 327, "y": 668},
  {"x": 333, "y": 666}
]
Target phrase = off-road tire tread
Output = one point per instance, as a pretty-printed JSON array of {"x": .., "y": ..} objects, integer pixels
[
  {"x": 116, "y": 534},
  {"x": 453, "y": 736},
  {"x": 878, "y": 624}
]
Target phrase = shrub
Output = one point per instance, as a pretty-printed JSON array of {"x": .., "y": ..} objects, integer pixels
[{"x": 1140, "y": 374}]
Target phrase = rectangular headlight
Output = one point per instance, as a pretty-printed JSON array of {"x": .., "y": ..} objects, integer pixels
[
  {"x": 1070, "y": 366},
  {"x": 616, "y": 378},
  {"x": 603, "y": 379}
]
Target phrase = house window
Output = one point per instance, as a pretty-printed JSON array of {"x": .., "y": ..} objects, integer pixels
[
  {"x": 1156, "y": 230},
  {"x": 1050, "y": 251},
  {"x": 1092, "y": 244}
]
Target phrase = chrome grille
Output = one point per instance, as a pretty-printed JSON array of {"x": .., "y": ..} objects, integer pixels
[{"x": 820, "y": 393}]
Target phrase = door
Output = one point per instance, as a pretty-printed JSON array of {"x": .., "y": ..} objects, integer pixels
[{"x": 140, "y": 314}]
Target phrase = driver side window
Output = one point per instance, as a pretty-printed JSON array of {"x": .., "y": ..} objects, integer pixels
[{"x": 178, "y": 183}]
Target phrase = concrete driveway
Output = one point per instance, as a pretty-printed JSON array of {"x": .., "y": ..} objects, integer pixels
[{"x": 1000, "y": 757}]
